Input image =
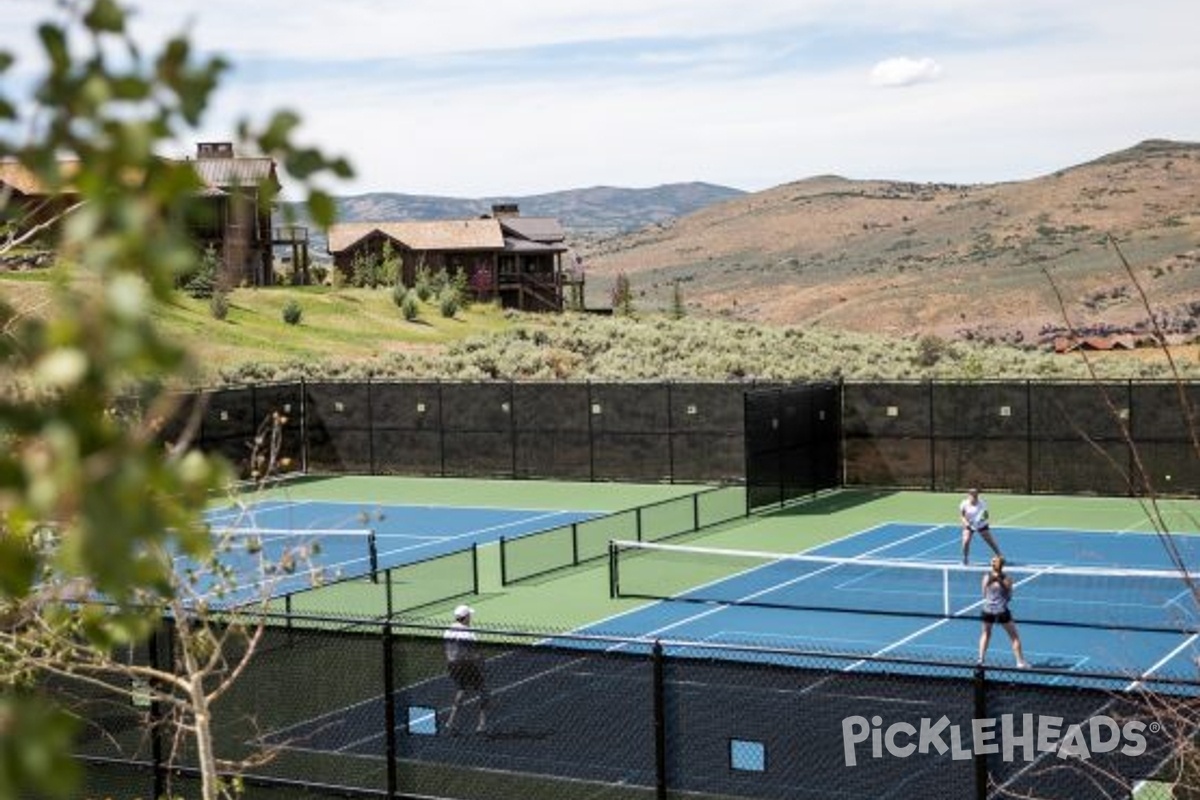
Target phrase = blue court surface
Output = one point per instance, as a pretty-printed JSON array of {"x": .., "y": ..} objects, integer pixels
[
  {"x": 334, "y": 538},
  {"x": 1105, "y": 617}
]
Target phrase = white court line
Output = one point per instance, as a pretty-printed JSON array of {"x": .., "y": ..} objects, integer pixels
[
  {"x": 751, "y": 596},
  {"x": 376, "y": 504},
  {"x": 932, "y": 626},
  {"x": 1163, "y": 661},
  {"x": 470, "y": 533},
  {"x": 318, "y": 568},
  {"x": 250, "y": 509}
]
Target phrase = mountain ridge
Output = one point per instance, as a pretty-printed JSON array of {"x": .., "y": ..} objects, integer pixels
[{"x": 1019, "y": 261}]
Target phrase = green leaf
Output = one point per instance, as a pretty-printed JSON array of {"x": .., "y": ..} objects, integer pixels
[
  {"x": 322, "y": 208},
  {"x": 105, "y": 16}
]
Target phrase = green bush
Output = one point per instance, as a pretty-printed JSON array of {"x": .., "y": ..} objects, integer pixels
[
  {"x": 201, "y": 282},
  {"x": 448, "y": 303},
  {"x": 410, "y": 307},
  {"x": 218, "y": 305},
  {"x": 292, "y": 313},
  {"x": 423, "y": 283},
  {"x": 399, "y": 293}
]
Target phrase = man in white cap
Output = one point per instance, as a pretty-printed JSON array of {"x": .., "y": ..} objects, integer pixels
[{"x": 464, "y": 667}]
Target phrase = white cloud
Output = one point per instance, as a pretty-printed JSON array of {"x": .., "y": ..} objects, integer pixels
[
  {"x": 474, "y": 97},
  {"x": 905, "y": 71}
]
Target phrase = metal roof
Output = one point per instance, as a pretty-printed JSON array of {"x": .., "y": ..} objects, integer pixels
[
  {"x": 14, "y": 175},
  {"x": 535, "y": 229},
  {"x": 215, "y": 173},
  {"x": 240, "y": 171},
  {"x": 455, "y": 234},
  {"x": 513, "y": 245}
]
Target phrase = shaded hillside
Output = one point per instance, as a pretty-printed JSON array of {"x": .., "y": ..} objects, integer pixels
[{"x": 955, "y": 261}]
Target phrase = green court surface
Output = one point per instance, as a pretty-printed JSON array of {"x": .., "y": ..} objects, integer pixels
[{"x": 579, "y": 596}]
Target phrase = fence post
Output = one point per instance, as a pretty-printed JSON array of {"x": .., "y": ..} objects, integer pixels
[
  {"x": 387, "y": 588},
  {"x": 370, "y": 429},
  {"x": 389, "y": 709},
  {"x": 933, "y": 485},
  {"x": 156, "y": 721},
  {"x": 981, "y": 765},
  {"x": 660, "y": 724},
  {"x": 670, "y": 432}
]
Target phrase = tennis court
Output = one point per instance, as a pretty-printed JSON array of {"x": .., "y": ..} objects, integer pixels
[
  {"x": 326, "y": 540},
  {"x": 764, "y": 654},
  {"x": 351, "y": 539},
  {"x": 1085, "y": 601}
]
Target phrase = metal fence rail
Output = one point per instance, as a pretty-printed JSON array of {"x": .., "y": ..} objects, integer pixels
[{"x": 362, "y": 712}]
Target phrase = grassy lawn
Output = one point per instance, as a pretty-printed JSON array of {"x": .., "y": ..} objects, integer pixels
[
  {"x": 342, "y": 325},
  {"x": 351, "y": 324},
  {"x": 348, "y": 333}
]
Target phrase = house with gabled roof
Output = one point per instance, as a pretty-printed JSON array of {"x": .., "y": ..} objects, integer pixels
[
  {"x": 228, "y": 216},
  {"x": 25, "y": 205},
  {"x": 503, "y": 255}
]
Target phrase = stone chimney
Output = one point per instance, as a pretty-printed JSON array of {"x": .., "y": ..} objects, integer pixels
[{"x": 214, "y": 150}]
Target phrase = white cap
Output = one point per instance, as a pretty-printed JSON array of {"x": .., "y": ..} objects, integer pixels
[{"x": 462, "y": 612}]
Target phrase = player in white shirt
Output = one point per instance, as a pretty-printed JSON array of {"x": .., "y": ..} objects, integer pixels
[
  {"x": 973, "y": 511},
  {"x": 465, "y": 667}
]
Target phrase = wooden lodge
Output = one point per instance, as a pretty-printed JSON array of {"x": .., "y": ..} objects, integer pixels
[
  {"x": 517, "y": 260},
  {"x": 228, "y": 215},
  {"x": 503, "y": 255}
]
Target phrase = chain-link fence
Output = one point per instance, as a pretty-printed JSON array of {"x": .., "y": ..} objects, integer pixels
[
  {"x": 365, "y": 710},
  {"x": 1117, "y": 438},
  {"x": 631, "y": 432},
  {"x": 782, "y": 442}
]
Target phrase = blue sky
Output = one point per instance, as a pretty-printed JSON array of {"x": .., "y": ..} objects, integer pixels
[{"x": 469, "y": 98}]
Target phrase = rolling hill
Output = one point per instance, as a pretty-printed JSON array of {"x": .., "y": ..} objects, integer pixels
[{"x": 984, "y": 262}]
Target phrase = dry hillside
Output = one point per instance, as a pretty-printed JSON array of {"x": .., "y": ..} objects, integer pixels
[{"x": 955, "y": 261}]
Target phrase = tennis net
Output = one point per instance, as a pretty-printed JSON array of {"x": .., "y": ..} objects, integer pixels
[
  {"x": 1135, "y": 599},
  {"x": 353, "y": 549}
]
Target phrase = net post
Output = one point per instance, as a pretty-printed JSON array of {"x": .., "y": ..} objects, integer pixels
[
  {"x": 503, "y": 561},
  {"x": 637, "y": 512},
  {"x": 475, "y": 566},
  {"x": 574, "y": 544},
  {"x": 613, "y": 589},
  {"x": 946, "y": 591},
  {"x": 373, "y": 555}
]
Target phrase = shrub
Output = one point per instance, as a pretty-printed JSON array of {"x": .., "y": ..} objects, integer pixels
[
  {"x": 292, "y": 313},
  {"x": 218, "y": 305},
  {"x": 622, "y": 295},
  {"x": 930, "y": 350},
  {"x": 678, "y": 307},
  {"x": 410, "y": 307},
  {"x": 423, "y": 283},
  {"x": 448, "y": 303},
  {"x": 399, "y": 293},
  {"x": 202, "y": 282}
]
